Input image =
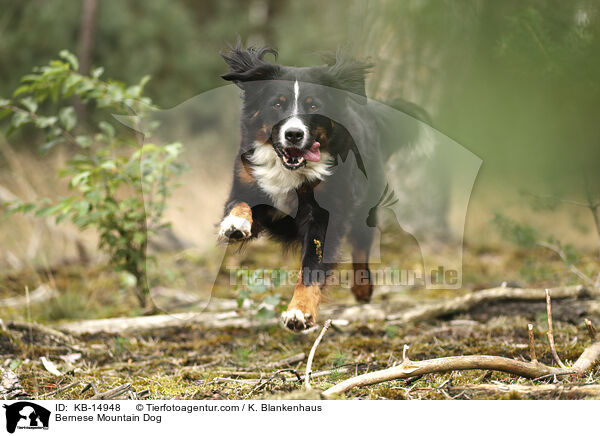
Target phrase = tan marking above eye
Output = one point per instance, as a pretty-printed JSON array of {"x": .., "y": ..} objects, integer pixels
[
  {"x": 309, "y": 100},
  {"x": 282, "y": 98}
]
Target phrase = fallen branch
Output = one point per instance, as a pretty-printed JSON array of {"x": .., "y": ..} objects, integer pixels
[
  {"x": 311, "y": 355},
  {"x": 42, "y": 330},
  {"x": 467, "y": 302},
  {"x": 532, "y": 370},
  {"x": 40, "y": 294}
]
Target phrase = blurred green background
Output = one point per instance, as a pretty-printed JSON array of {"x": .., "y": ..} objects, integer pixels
[{"x": 515, "y": 81}]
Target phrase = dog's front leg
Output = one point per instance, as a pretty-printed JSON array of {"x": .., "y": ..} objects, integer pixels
[
  {"x": 302, "y": 310},
  {"x": 237, "y": 223}
]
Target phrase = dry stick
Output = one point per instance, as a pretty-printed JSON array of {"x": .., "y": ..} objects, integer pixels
[
  {"x": 61, "y": 389},
  {"x": 591, "y": 329},
  {"x": 112, "y": 393},
  {"x": 545, "y": 389},
  {"x": 311, "y": 355},
  {"x": 251, "y": 381},
  {"x": 531, "y": 343},
  {"x": 457, "y": 363},
  {"x": 405, "y": 353},
  {"x": 550, "y": 335}
]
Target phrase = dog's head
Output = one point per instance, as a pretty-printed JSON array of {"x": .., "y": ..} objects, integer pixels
[{"x": 288, "y": 108}]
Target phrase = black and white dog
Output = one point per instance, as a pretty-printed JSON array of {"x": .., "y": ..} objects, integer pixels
[{"x": 309, "y": 168}]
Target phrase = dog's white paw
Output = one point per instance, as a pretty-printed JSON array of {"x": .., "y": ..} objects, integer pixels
[
  {"x": 296, "y": 320},
  {"x": 235, "y": 228}
]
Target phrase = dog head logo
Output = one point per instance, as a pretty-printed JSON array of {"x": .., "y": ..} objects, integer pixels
[{"x": 26, "y": 415}]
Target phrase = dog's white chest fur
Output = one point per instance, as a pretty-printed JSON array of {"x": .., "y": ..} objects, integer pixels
[{"x": 279, "y": 182}]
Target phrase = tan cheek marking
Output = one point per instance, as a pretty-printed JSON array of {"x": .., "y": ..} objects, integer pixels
[
  {"x": 262, "y": 134},
  {"x": 255, "y": 114},
  {"x": 321, "y": 133}
]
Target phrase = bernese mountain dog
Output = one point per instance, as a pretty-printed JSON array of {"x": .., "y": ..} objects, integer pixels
[{"x": 309, "y": 168}]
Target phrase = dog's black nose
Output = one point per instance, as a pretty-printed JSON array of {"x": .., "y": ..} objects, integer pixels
[{"x": 294, "y": 135}]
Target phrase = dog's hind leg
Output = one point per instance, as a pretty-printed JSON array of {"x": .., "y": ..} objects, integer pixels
[{"x": 362, "y": 284}]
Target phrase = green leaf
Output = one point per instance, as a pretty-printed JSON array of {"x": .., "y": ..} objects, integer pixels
[
  {"x": 70, "y": 57},
  {"x": 272, "y": 300},
  {"x": 108, "y": 165},
  {"x": 67, "y": 117},
  {"x": 5, "y": 113},
  {"x": 4, "y": 102},
  {"x": 79, "y": 178},
  {"x": 21, "y": 90},
  {"x": 28, "y": 207},
  {"x": 83, "y": 141},
  {"x": 97, "y": 72},
  {"x": 70, "y": 83},
  {"x": 44, "y": 122},
  {"x": 30, "y": 104},
  {"x": 20, "y": 118},
  {"x": 107, "y": 129},
  {"x": 49, "y": 145}
]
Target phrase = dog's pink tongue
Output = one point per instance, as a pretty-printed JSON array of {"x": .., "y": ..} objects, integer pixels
[{"x": 314, "y": 154}]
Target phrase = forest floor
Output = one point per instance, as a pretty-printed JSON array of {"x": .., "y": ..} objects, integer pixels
[{"x": 232, "y": 353}]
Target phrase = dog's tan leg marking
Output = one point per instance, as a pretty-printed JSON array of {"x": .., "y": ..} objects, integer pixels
[
  {"x": 301, "y": 313},
  {"x": 238, "y": 224}
]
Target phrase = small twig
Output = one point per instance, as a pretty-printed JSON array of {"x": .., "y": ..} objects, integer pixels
[
  {"x": 311, "y": 355},
  {"x": 112, "y": 393},
  {"x": 550, "y": 334},
  {"x": 61, "y": 389},
  {"x": 405, "y": 353},
  {"x": 591, "y": 329},
  {"x": 287, "y": 361},
  {"x": 270, "y": 379},
  {"x": 563, "y": 256},
  {"x": 531, "y": 343}
]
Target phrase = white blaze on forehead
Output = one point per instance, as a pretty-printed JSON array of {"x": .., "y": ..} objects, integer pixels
[{"x": 296, "y": 96}]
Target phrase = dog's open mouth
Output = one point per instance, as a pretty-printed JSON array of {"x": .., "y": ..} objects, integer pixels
[{"x": 293, "y": 158}]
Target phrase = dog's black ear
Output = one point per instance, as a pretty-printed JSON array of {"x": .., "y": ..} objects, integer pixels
[
  {"x": 348, "y": 74},
  {"x": 248, "y": 64}
]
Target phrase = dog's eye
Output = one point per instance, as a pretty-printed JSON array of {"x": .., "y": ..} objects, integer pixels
[
  {"x": 314, "y": 107},
  {"x": 277, "y": 106}
]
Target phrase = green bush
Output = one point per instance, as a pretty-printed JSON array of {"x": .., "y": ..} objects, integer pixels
[{"x": 120, "y": 188}]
